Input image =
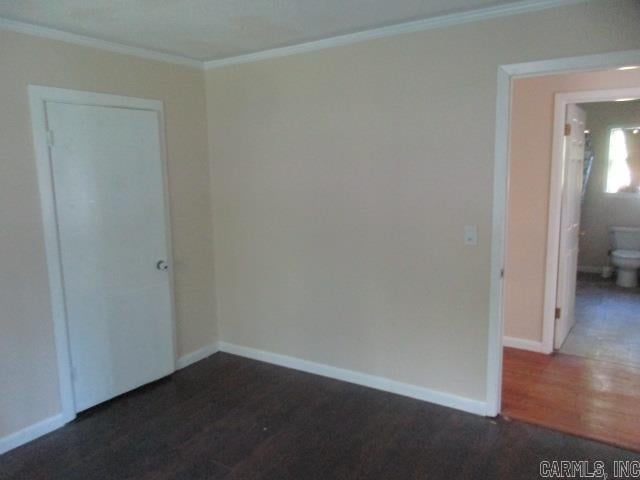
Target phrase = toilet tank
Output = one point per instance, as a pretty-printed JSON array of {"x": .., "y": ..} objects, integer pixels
[{"x": 625, "y": 238}]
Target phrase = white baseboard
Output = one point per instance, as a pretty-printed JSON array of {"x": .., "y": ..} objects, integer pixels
[
  {"x": 522, "y": 344},
  {"x": 589, "y": 269},
  {"x": 379, "y": 383},
  {"x": 193, "y": 357},
  {"x": 477, "y": 407},
  {"x": 31, "y": 432},
  {"x": 47, "y": 425}
]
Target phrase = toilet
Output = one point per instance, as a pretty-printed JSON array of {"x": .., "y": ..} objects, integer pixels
[{"x": 625, "y": 254}]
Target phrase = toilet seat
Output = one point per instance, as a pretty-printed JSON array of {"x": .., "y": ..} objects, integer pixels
[{"x": 627, "y": 254}]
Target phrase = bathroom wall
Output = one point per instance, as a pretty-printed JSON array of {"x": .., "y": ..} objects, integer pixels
[
  {"x": 601, "y": 210},
  {"x": 528, "y": 197}
]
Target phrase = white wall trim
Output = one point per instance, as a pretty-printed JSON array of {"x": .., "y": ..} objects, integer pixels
[
  {"x": 31, "y": 432},
  {"x": 398, "y": 29},
  {"x": 503, "y": 99},
  {"x": 498, "y": 244},
  {"x": 391, "y": 30},
  {"x": 523, "y": 344},
  {"x": 597, "y": 61},
  {"x": 553, "y": 226},
  {"x": 196, "y": 356},
  {"x": 379, "y": 383},
  {"x": 81, "y": 97},
  {"x": 50, "y": 230},
  {"x": 50, "y": 424},
  {"x": 85, "y": 41}
]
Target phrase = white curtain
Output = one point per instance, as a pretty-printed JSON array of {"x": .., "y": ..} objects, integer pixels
[{"x": 618, "y": 173}]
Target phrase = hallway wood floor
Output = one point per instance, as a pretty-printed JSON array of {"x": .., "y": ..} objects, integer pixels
[
  {"x": 227, "y": 417},
  {"x": 591, "y": 398}
]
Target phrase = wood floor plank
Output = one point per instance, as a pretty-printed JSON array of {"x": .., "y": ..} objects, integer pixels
[{"x": 582, "y": 396}]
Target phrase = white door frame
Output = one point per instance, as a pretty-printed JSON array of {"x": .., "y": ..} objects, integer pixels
[
  {"x": 500, "y": 186},
  {"x": 38, "y": 96}
]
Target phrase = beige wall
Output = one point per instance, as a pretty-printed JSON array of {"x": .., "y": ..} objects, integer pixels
[
  {"x": 342, "y": 180},
  {"x": 529, "y": 176},
  {"x": 27, "y": 354},
  {"x": 600, "y": 211}
]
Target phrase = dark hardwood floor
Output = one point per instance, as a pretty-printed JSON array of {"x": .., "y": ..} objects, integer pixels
[{"x": 232, "y": 418}]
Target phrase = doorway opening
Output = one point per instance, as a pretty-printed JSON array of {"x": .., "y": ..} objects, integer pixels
[
  {"x": 571, "y": 333},
  {"x": 607, "y": 298}
]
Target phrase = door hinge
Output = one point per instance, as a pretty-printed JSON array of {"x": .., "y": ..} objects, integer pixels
[
  {"x": 50, "y": 138},
  {"x": 558, "y": 312},
  {"x": 567, "y": 129}
]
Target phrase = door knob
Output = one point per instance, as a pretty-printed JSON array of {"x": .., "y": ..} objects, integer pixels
[{"x": 162, "y": 265}]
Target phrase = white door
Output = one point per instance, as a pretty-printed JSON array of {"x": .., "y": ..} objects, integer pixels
[
  {"x": 570, "y": 221},
  {"x": 109, "y": 194}
]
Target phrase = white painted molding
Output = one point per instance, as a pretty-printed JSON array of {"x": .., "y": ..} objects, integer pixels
[
  {"x": 31, "y": 432},
  {"x": 398, "y": 29},
  {"x": 54, "y": 266},
  {"x": 523, "y": 344},
  {"x": 391, "y": 30},
  {"x": 53, "y": 34},
  {"x": 598, "y": 61},
  {"x": 498, "y": 245},
  {"x": 496, "y": 306},
  {"x": 379, "y": 383},
  {"x": 50, "y": 424},
  {"x": 589, "y": 269},
  {"x": 193, "y": 357}
]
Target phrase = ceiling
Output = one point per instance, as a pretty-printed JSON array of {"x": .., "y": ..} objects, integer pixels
[{"x": 216, "y": 29}]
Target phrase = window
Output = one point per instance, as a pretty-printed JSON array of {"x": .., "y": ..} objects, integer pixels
[{"x": 623, "y": 175}]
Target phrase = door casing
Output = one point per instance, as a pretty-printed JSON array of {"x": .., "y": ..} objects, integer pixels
[
  {"x": 38, "y": 96},
  {"x": 505, "y": 74}
]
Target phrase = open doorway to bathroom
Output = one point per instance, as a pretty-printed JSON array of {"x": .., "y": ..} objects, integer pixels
[
  {"x": 572, "y": 313},
  {"x": 607, "y": 304}
]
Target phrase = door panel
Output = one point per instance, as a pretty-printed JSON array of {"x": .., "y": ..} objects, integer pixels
[
  {"x": 108, "y": 184},
  {"x": 570, "y": 222}
]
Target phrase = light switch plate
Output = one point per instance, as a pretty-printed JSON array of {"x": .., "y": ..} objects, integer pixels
[{"x": 471, "y": 235}]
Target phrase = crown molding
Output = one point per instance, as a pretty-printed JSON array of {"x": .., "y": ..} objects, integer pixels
[
  {"x": 53, "y": 34},
  {"x": 398, "y": 29}
]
